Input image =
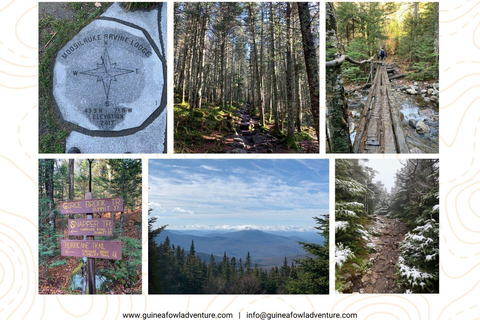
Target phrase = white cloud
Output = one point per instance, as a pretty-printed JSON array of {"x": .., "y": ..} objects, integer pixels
[
  {"x": 209, "y": 168},
  {"x": 177, "y": 209},
  {"x": 238, "y": 197},
  {"x": 243, "y": 227},
  {"x": 154, "y": 205}
]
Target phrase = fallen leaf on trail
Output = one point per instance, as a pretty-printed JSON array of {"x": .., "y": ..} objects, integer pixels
[{"x": 98, "y": 4}]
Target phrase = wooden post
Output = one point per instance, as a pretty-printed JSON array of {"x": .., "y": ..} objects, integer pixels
[
  {"x": 92, "y": 288},
  {"x": 91, "y": 261}
]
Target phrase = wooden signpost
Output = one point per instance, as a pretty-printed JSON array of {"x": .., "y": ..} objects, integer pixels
[
  {"x": 91, "y": 206},
  {"x": 90, "y": 227},
  {"x": 92, "y": 249}
]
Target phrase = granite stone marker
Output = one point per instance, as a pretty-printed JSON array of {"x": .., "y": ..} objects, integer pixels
[{"x": 109, "y": 83}]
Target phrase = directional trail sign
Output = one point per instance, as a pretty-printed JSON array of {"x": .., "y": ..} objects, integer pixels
[
  {"x": 92, "y": 249},
  {"x": 90, "y": 227},
  {"x": 92, "y": 206}
]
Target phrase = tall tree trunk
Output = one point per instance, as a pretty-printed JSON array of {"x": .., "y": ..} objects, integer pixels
[
  {"x": 202, "y": 58},
  {"x": 262, "y": 84},
  {"x": 338, "y": 135},
  {"x": 255, "y": 66},
  {"x": 298, "y": 104},
  {"x": 49, "y": 191},
  {"x": 222, "y": 71},
  {"x": 273, "y": 76},
  {"x": 71, "y": 179},
  {"x": 289, "y": 84},
  {"x": 311, "y": 62}
]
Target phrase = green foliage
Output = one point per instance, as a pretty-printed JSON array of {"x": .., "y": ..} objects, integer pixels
[
  {"x": 290, "y": 143},
  {"x": 123, "y": 178},
  {"x": 172, "y": 271},
  {"x": 407, "y": 30},
  {"x": 303, "y": 136},
  {"x": 133, "y": 6},
  {"x": 354, "y": 200},
  {"x": 48, "y": 242},
  {"x": 311, "y": 274},
  {"x": 426, "y": 67},
  {"x": 418, "y": 42},
  {"x": 191, "y": 129},
  {"x": 127, "y": 270},
  {"x": 57, "y": 263},
  {"x": 414, "y": 199},
  {"x": 418, "y": 265},
  {"x": 357, "y": 50}
]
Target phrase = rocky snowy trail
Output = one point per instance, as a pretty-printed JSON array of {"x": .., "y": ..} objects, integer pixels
[{"x": 380, "y": 277}]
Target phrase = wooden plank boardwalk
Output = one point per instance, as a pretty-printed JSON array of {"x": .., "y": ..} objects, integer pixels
[{"x": 380, "y": 129}]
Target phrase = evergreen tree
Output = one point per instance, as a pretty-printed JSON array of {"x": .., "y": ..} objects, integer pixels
[
  {"x": 193, "y": 272},
  {"x": 415, "y": 200},
  {"x": 311, "y": 274}
]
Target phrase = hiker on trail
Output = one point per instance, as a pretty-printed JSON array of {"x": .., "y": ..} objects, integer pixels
[{"x": 382, "y": 55}]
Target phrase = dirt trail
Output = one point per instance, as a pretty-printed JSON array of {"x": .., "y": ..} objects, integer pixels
[
  {"x": 250, "y": 139},
  {"x": 380, "y": 278}
]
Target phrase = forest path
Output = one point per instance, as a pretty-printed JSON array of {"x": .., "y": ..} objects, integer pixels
[
  {"x": 386, "y": 236},
  {"x": 249, "y": 137}
]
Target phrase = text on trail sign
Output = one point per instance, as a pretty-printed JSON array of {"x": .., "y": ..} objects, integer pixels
[
  {"x": 90, "y": 227},
  {"x": 92, "y": 206},
  {"x": 92, "y": 249}
]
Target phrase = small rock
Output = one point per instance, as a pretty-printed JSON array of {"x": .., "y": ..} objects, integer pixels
[
  {"x": 424, "y": 91},
  {"x": 346, "y": 276},
  {"x": 430, "y": 91},
  {"x": 426, "y": 113},
  {"x": 369, "y": 289},
  {"x": 356, "y": 266},
  {"x": 421, "y": 127},
  {"x": 365, "y": 278},
  {"x": 415, "y": 87},
  {"x": 426, "y": 99},
  {"x": 411, "y": 91},
  {"x": 348, "y": 285},
  {"x": 415, "y": 83},
  {"x": 413, "y": 123},
  {"x": 435, "y": 93}
]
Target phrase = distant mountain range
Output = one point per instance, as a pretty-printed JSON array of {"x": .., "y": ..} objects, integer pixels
[{"x": 266, "y": 248}]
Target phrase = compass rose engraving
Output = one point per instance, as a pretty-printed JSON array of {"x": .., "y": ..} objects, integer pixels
[{"x": 106, "y": 72}]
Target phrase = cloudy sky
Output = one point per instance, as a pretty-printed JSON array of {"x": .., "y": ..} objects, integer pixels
[
  {"x": 238, "y": 194},
  {"x": 387, "y": 168}
]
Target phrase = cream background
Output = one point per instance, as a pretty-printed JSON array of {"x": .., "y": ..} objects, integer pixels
[{"x": 460, "y": 191}]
